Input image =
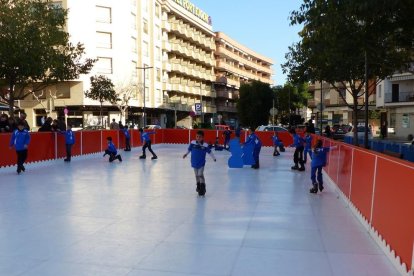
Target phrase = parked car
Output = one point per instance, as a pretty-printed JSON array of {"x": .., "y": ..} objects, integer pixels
[
  {"x": 271, "y": 128},
  {"x": 361, "y": 132},
  {"x": 317, "y": 131},
  {"x": 338, "y": 132},
  {"x": 93, "y": 128},
  {"x": 152, "y": 127}
]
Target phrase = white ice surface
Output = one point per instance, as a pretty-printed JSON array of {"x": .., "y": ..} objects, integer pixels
[{"x": 143, "y": 217}]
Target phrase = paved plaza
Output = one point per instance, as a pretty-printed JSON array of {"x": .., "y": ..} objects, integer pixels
[{"x": 91, "y": 217}]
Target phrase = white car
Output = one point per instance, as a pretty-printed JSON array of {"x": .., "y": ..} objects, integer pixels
[
  {"x": 361, "y": 132},
  {"x": 153, "y": 127},
  {"x": 271, "y": 128}
]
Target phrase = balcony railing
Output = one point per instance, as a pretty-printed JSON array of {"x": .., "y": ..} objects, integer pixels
[{"x": 403, "y": 97}]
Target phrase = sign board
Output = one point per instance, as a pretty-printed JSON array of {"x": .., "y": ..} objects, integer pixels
[
  {"x": 273, "y": 111},
  {"x": 405, "y": 120},
  {"x": 66, "y": 111},
  {"x": 198, "y": 107}
]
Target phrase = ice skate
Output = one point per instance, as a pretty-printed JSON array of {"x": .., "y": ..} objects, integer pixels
[
  {"x": 314, "y": 190},
  {"x": 321, "y": 187},
  {"x": 295, "y": 168},
  {"x": 154, "y": 158},
  {"x": 142, "y": 157},
  {"x": 202, "y": 189}
]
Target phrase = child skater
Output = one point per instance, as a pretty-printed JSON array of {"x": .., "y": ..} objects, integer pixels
[
  {"x": 253, "y": 139},
  {"x": 276, "y": 144},
  {"x": 20, "y": 140},
  {"x": 318, "y": 162},
  {"x": 146, "y": 143},
  {"x": 69, "y": 141},
  {"x": 198, "y": 150},
  {"x": 308, "y": 147},
  {"x": 125, "y": 130},
  {"x": 111, "y": 151},
  {"x": 298, "y": 155}
]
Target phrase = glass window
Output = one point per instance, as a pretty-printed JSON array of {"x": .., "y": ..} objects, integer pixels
[
  {"x": 157, "y": 53},
  {"x": 145, "y": 50},
  {"x": 134, "y": 44},
  {"x": 145, "y": 26},
  {"x": 158, "y": 74},
  {"x": 103, "y": 14},
  {"x": 133, "y": 21},
  {"x": 104, "y": 65},
  {"x": 103, "y": 40},
  {"x": 147, "y": 73},
  {"x": 379, "y": 91},
  {"x": 63, "y": 91},
  {"x": 157, "y": 10},
  {"x": 134, "y": 69},
  {"x": 159, "y": 96}
]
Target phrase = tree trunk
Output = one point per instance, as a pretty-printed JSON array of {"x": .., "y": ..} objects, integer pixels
[
  {"x": 355, "y": 120},
  {"x": 11, "y": 99}
]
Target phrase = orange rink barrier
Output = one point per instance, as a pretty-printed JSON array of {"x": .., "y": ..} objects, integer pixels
[{"x": 380, "y": 189}]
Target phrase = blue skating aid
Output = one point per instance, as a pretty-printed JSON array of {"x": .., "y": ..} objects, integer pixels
[
  {"x": 236, "y": 160},
  {"x": 248, "y": 154}
]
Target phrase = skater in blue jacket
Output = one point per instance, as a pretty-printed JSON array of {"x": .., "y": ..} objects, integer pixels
[
  {"x": 127, "y": 135},
  {"x": 198, "y": 150},
  {"x": 298, "y": 155},
  {"x": 318, "y": 162},
  {"x": 146, "y": 143},
  {"x": 20, "y": 140},
  {"x": 226, "y": 134},
  {"x": 253, "y": 139},
  {"x": 308, "y": 147},
  {"x": 112, "y": 151},
  {"x": 276, "y": 143},
  {"x": 69, "y": 142}
]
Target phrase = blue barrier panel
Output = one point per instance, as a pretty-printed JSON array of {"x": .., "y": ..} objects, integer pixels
[
  {"x": 377, "y": 146},
  {"x": 408, "y": 152}
]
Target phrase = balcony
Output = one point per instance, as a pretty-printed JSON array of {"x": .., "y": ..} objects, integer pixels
[
  {"x": 402, "y": 97},
  {"x": 166, "y": 25},
  {"x": 224, "y": 108},
  {"x": 166, "y": 66},
  {"x": 166, "y": 46}
]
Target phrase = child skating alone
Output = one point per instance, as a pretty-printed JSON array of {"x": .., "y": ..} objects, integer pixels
[
  {"x": 198, "y": 150},
  {"x": 146, "y": 143},
  {"x": 112, "y": 151},
  {"x": 308, "y": 147},
  {"x": 277, "y": 144},
  {"x": 69, "y": 142},
  {"x": 318, "y": 162},
  {"x": 20, "y": 141},
  {"x": 298, "y": 155},
  {"x": 127, "y": 135}
]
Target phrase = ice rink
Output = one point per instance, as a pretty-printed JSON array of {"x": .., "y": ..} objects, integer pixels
[{"x": 144, "y": 217}]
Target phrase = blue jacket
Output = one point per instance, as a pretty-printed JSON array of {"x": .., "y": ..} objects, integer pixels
[
  {"x": 145, "y": 136},
  {"x": 276, "y": 141},
  {"x": 319, "y": 157},
  {"x": 253, "y": 139},
  {"x": 20, "y": 139},
  {"x": 308, "y": 142},
  {"x": 227, "y": 134},
  {"x": 297, "y": 141},
  {"x": 111, "y": 148},
  {"x": 69, "y": 137},
  {"x": 198, "y": 154},
  {"x": 126, "y": 133}
]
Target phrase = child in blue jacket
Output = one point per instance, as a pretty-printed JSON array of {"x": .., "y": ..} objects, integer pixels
[
  {"x": 112, "y": 151},
  {"x": 253, "y": 139},
  {"x": 127, "y": 135},
  {"x": 69, "y": 142},
  {"x": 20, "y": 140},
  {"x": 277, "y": 144},
  {"x": 298, "y": 155},
  {"x": 308, "y": 147},
  {"x": 318, "y": 162},
  {"x": 198, "y": 150},
  {"x": 146, "y": 143}
]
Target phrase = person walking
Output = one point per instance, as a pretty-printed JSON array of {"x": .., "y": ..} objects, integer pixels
[{"x": 146, "y": 144}]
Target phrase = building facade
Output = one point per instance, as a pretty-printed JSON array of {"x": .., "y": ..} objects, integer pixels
[
  {"x": 395, "y": 99},
  {"x": 160, "y": 54}
]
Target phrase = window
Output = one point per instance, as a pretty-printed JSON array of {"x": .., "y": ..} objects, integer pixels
[
  {"x": 157, "y": 54},
  {"x": 393, "y": 120},
  {"x": 145, "y": 5},
  {"x": 379, "y": 91},
  {"x": 104, "y": 65},
  {"x": 134, "y": 44},
  {"x": 133, "y": 21},
  {"x": 146, "y": 72},
  {"x": 158, "y": 74},
  {"x": 103, "y": 40},
  {"x": 103, "y": 14},
  {"x": 159, "y": 96},
  {"x": 147, "y": 94},
  {"x": 134, "y": 69},
  {"x": 63, "y": 91},
  {"x": 157, "y": 32},
  {"x": 145, "y": 26},
  {"x": 157, "y": 10},
  {"x": 145, "y": 50}
]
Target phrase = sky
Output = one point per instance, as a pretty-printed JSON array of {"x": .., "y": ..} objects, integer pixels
[{"x": 260, "y": 25}]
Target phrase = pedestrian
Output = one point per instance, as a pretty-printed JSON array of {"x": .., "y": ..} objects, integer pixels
[
  {"x": 4, "y": 123},
  {"x": 318, "y": 162},
  {"x": 127, "y": 135},
  {"x": 198, "y": 150},
  {"x": 112, "y": 151},
  {"x": 146, "y": 143},
  {"x": 384, "y": 129},
  {"x": 276, "y": 144},
  {"x": 257, "y": 146},
  {"x": 298, "y": 155},
  {"x": 20, "y": 140},
  {"x": 114, "y": 125},
  {"x": 226, "y": 134},
  {"x": 69, "y": 142},
  {"x": 328, "y": 132},
  {"x": 55, "y": 126},
  {"x": 308, "y": 146},
  {"x": 12, "y": 124},
  {"x": 238, "y": 131},
  {"x": 47, "y": 126},
  {"x": 310, "y": 127},
  {"x": 61, "y": 123},
  {"x": 22, "y": 119}
]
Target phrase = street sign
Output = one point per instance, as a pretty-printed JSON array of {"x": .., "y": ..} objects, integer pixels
[
  {"x": 66, "y": 111},
  {"x": 320, "y": 106},
  {"x": 198, "y": 108},
  {"x": 273, "y": 111}
]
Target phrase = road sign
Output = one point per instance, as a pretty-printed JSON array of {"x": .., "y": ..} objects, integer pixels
[
  {"x": 66, "y": 111},
  {"x": 198, "y": 108},
  {"x": 273, "y": 111}
]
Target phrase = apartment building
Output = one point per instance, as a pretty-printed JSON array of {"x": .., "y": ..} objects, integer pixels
[
  {"x": 235, "y": 64},
  {"x": 395, "y": 99}
]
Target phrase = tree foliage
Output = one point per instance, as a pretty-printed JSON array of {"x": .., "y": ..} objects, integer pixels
[
  {"x": 35, "y": 51},
  {"x": 339, "y": 38},
  {"x": 124, "y": 93},
  {"x": 289, "y": 98},
  {"x": 254, "y": 103}
]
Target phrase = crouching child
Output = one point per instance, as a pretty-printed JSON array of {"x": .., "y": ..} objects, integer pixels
[{"x": 112, "y": 151}]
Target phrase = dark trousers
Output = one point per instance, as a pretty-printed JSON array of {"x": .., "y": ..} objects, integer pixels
[
  {"x": 226, "y": 142},
  {"x": 256, "y": 154},
  {"x": 298, "y": 156},
  {"x": 305, "y": 154},
  {"x": 316, "y": 172},
  {"x": 21, "y": 158},
  {"x": 69, "y": 151},
  {"x": 127, "y": 144},
  {"x": 112, "y": 156},
  {"x": 147, "y": 145}
]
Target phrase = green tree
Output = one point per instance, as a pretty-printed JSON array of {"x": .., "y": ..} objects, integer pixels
[
  {"x": 254, "y": 103},
  {"x": 346, "y": 43},
  {"x": 102, "y": 90},
  {"x": 34, "y": 48},
  {"x": 289, "y": 98}
]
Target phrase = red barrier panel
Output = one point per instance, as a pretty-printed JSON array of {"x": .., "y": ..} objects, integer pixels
[
  {"x": 344, "y": 169},
  {"x": 393, "y": 209},
  {"x": 176, "y": 136},
  {"x": 42, "y": 147},
  {"x": 115, "y": 134},
  {"x": 7, "y": 155},
  {"x": 61, "y": 145},
  {"x": 91, "y": 141}
]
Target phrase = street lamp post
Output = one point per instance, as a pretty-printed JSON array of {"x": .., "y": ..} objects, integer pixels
[
  {"x": 144, "y": 100},
  {"x": 201, "y": 102}
]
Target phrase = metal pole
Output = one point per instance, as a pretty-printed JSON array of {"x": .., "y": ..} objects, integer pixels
[
  {"x": 289, "y": 108},
  {"x": 202, "y": 107},
  {"x": 366, "y": 101},
  {"x": 144, "y": 107},
  {"x": 321, "y": 106},
  {"x": 273, "y": 112}
]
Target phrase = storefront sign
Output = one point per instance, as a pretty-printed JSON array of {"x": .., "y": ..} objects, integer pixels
[
  {"x": 194, "y": 10},
  {"x": 405, "y": 120}
]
